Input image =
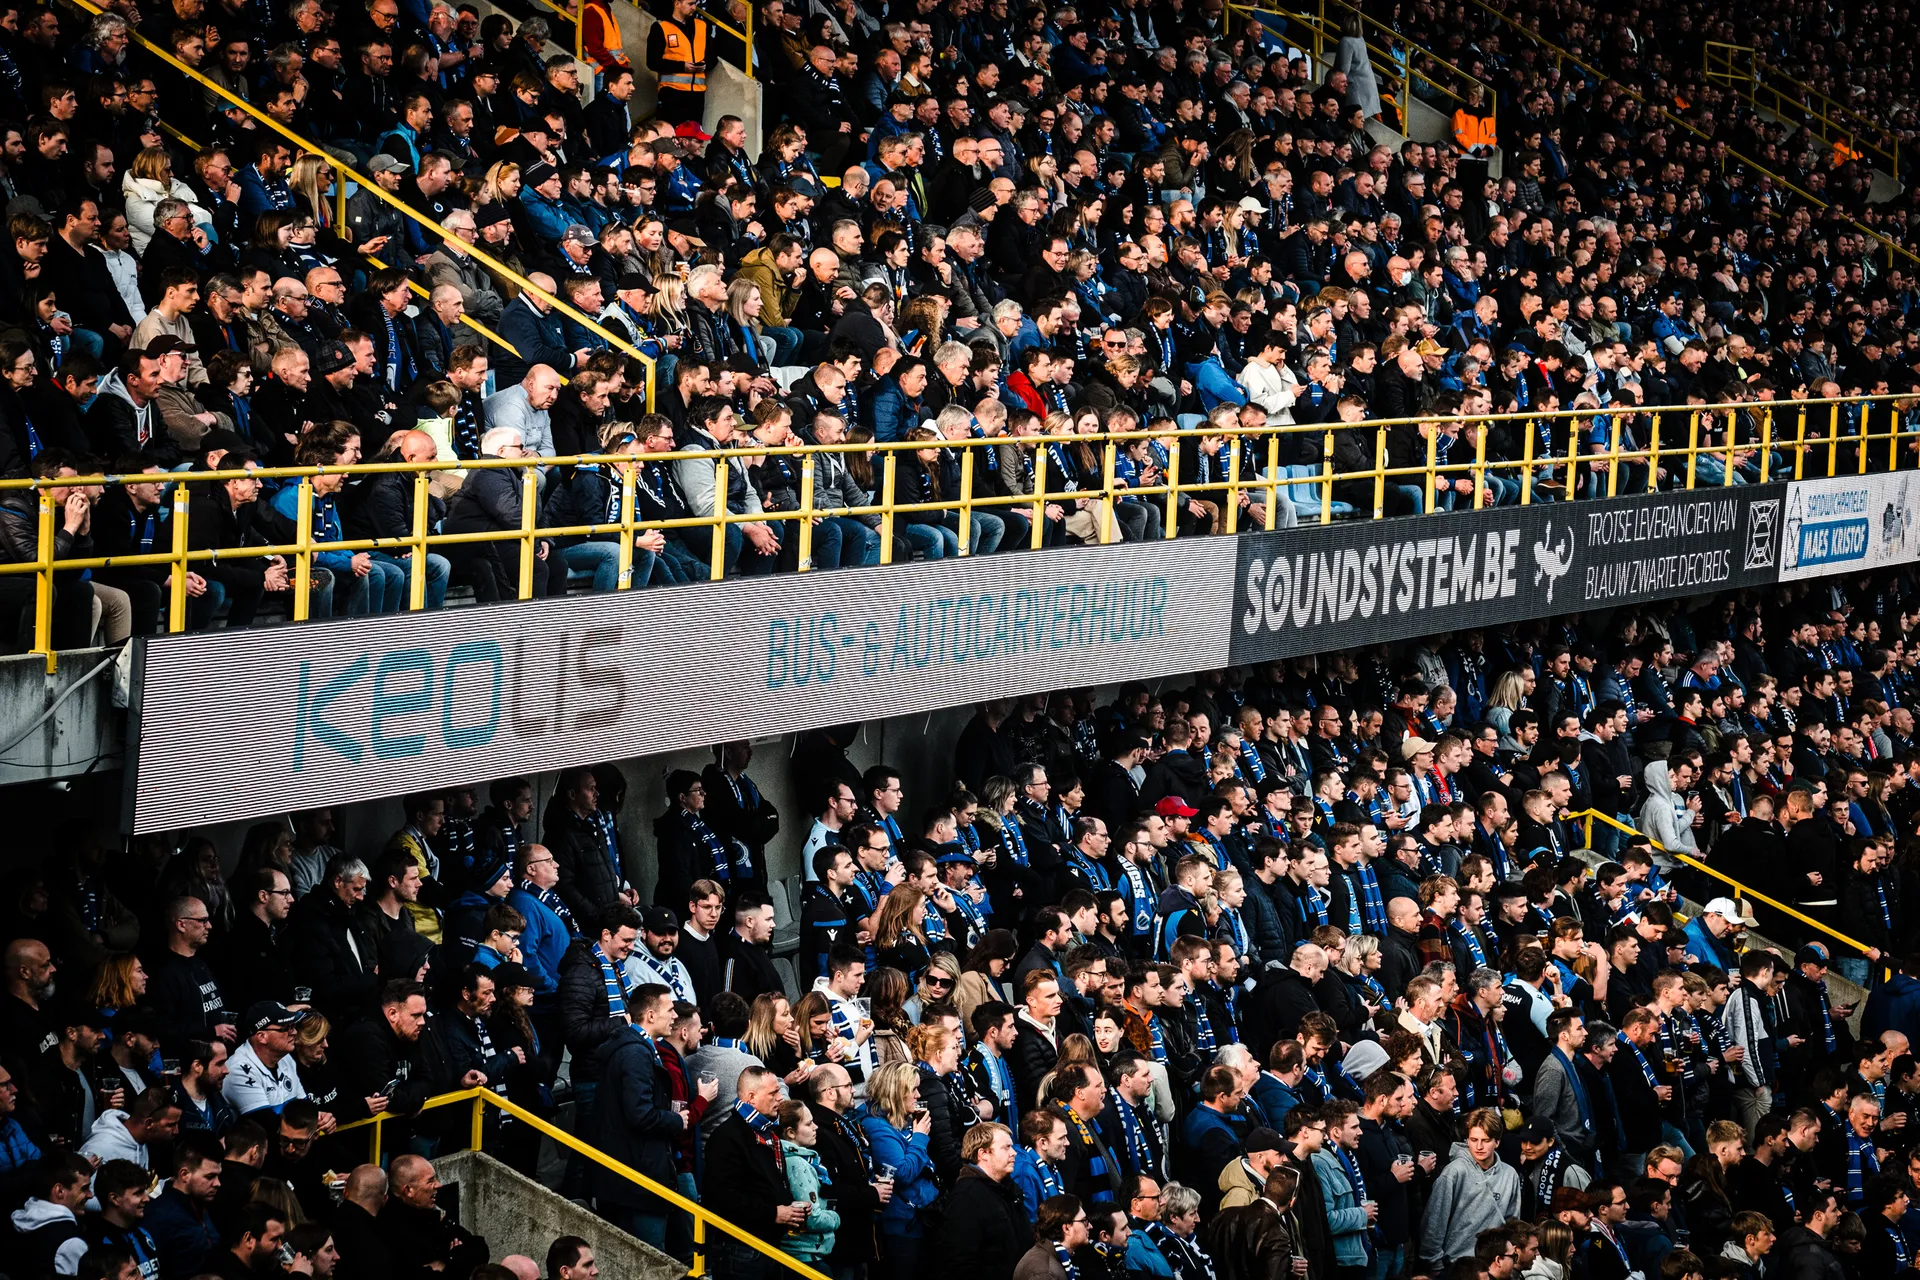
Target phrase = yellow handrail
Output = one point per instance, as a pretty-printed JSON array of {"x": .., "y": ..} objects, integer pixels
[
  {"x": 1740, "y": 890},
  {"x": 1106, "y": 490},
  {"x": 343, "y": 171},
  {"x": 483, "y": 1098},
  {"x": 1799, "y": 102}
]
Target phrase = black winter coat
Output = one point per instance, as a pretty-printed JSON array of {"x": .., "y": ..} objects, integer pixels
[
  {"x": 585, "y": 1020},
  {"x": 986, "y": 1230},
  {"x": 754, "y": 1174},
  {"x": 589, "y": 882},
  {"x": 343, "y": 978},
  {"x": 634, "y": 1120}
]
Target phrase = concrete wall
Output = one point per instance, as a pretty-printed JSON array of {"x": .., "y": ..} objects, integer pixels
[
  {"x": 82, "y": 733},
  {"x": 729, "y": 91},
  {"x": 518, "y": 1215}
]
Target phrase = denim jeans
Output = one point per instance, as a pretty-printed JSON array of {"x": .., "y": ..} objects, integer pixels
[
  {"x": 602, "y": 559},
  {"x": 1855, "y": 969},
  {"x": 786, "y": 342},
  {"x": 934, "y": 541},
  {"x": 844, "y": 542},
  {"x": 438, "y": 570},
  {"x": 1210, "y": 378},
  {"x": 382, "y": 590},
  {"x": 983, "y": 537},
  {"x": 644, "y": 1226}
]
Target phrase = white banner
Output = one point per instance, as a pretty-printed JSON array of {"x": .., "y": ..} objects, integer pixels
[
  {"x": 1849, "y": 524},
  {"x": 237, "y": 724}
]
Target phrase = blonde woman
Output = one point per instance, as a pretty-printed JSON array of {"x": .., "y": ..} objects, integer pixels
[
  {"x": 899, "y": 1129},
  {"x": 773, "y": 1036},
  {"x": 669, "y": 309},
  {"x": 502, "y": 184},
  {"x": 120, "y": 983},
  {"x": 936, "y": 1052},
  {"x": 744, "y": 305},
  {"x": 312, "y": 180},
  {"x": 148, "y": 181},
  {"x": 1508, "y": 695}
]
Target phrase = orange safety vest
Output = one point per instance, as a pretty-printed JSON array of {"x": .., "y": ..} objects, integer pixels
[
  {"x": 601, "y": 36},
  {"x": 1471, "y": 131},
  {"x": 681, "y": 48}
]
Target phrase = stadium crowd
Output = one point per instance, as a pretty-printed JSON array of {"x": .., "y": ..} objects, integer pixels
[
  {"x": 1298, "y": 971},
  {"x": 967, "y": 225}
]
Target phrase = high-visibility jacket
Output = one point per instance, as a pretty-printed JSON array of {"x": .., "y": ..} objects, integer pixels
[
  {"x": 601, "y": 36},
  {"x": 1470, "y": 130},
  {"x": 687, "y": 51}
]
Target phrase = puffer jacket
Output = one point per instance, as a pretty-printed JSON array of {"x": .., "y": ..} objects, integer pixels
[
  {"x": 142, "y": 194},
  {"x": 812, "y": 1240}
]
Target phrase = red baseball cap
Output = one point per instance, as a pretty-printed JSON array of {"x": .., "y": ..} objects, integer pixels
[{"x": 1175, "y": 807}]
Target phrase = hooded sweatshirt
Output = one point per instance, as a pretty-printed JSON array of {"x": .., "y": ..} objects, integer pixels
[
  {"x": 1665, "y": 818},
  {"x": 1467, "y": 1200},
  {"x": 110, "y": 1140},
  {"x": 49, "y": 1238}
]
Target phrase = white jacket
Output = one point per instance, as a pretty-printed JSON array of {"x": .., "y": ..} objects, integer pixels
[
  {"x": 142, "y": 194},
  {"x": 1273, "y": 387}
]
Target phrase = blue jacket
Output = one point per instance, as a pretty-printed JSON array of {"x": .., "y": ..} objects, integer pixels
[
  {"x": 543, "y": 941},
  {"x": 536, "y": 337},
  {"x": 1026, "y": 1174},
  {"x": 258, "y": 194},
  {"x": 913, "y": 1186},
  {"x": 1273, "y": 1097},
  {"x": 188, "y": 1240},
  {"x": 1345, "y": 1218},
  {"x": 1205, "y": 1144},
  {"x": 1144, "y": 1257},
  {"x": 893, "y": 414},
  {"x": 549, "y": 217},
  {"x": 634, "y": 1121},
  {"x": 326, "y": 528},
  {"x": 1893, "y": 1006},
  {"x": 1710, "y": 951}
]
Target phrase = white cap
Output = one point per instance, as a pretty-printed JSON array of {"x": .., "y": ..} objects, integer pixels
[{"x": 1728, "y": 909}]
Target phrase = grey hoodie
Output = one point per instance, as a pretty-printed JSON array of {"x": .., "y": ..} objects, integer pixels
[
  {"x": 38, "y": 1215},
  {"x": 1664, "y": 816},
  {"x": 1467, "y": 1200}
]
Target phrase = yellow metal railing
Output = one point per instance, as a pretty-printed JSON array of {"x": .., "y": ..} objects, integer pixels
[
  {"x": 703, "y": 1217},
  {"x": 1768, "y": 89},
  {"x": 1782, "y": 440},
  {"x": 1741, "y": 890},
  {"x": 1563, "y": 59},
  {"x": 343, "y": 172}
]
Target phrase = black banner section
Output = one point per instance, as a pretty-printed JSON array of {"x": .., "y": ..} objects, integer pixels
[{"x": 1309, "y": 590}]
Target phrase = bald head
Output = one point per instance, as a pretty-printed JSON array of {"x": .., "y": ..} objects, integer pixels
[
  {"x": 367, "y": 1186},
  {"x": 418, "y": 446},
  {"x": 542, "y": 385},
  {"x": 1404, "y": 913},
  {"x": 523, "y": 1267}
]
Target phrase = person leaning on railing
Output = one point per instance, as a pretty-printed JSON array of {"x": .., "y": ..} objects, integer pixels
[
  {"x": 75, "y": 593},
  {"x": 223, "y": 516}
]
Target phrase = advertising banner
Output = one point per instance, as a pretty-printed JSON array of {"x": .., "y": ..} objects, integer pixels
[
  {"x": 235, "y": 724},
  {"x": 1849, "y": 524},
  {"x": 1309, "y": 590}
]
